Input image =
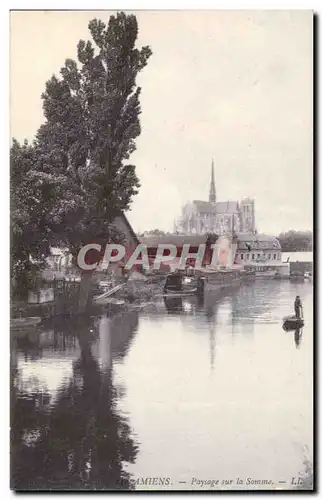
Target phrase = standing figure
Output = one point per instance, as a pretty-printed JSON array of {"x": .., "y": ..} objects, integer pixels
[{"x": 298, "y": 306}]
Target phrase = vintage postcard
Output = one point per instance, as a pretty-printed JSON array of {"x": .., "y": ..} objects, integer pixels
[{"x": 161, "y": 191}]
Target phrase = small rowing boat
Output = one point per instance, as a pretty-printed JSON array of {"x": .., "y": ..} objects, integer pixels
[{"x": 292, "y": 323}]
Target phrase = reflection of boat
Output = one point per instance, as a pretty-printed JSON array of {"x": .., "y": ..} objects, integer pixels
[
  {"x": 183, "y": 304},
  {"x": 248, "y": 274},
  {"x": 173, "y": 304},
  {"x": 292, "y": 323},
  {"x": 24, "y": 323}
]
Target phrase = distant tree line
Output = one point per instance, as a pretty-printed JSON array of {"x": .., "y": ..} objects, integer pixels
[
  {"x": 290, "y": 241},
  {"x": 296, "y": 241}
]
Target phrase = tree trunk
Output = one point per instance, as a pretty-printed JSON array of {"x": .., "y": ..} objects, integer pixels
[{"x": 85, "y": 295}]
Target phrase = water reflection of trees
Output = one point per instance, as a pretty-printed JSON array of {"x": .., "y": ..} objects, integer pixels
[
  {"x": 82, "y": 442},
  {"x": 59, "y": 334}
]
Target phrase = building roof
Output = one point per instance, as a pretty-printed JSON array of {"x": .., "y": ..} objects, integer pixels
[
  {"x": 204, "y": 206},
  {"x": 226, "y": 207},
  {"x": 127, "y": 223},
  {"x": 176, "y": 239},
  {"x": 257, "y": 241},
  {"x": 220, "y": 207}
]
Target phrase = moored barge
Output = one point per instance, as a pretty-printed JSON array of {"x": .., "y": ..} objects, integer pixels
[{"x": 221, "y": 279}]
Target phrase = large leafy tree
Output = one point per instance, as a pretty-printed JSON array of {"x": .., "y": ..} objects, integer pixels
[
  {"x": 92, "y": 120},
  {"x": 30, "y": 228},
  {"x": 79, "y": 161}
]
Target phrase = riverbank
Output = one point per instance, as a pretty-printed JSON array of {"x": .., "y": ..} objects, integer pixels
[{"x": 134, "y": 293}]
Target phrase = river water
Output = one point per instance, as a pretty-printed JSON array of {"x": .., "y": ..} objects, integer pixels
[{"x": 168, "y": 396}]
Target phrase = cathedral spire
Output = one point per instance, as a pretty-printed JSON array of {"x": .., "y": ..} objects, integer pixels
[{"x": 212, "y": 196}]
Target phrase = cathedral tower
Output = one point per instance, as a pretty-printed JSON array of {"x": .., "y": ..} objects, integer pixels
[
  {"x": 247, "y": 211},
  {"x": 212, "y": 195}
]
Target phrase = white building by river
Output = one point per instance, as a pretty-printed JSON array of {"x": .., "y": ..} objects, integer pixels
[
  {"x": 258, "y": 249},
  {"x": 260, "y": 252},
  {"x": 263, "y": 253}
]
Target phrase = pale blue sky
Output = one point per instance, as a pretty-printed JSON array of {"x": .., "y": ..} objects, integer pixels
[{"x": 235, "y": 86}]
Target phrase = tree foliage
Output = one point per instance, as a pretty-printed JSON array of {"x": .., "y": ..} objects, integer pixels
[
  {"x": 296, "y": 241},
  {"x": 68, "y": 186},
  {"x": 30, "y": 229},
  {"x": 92, "y": 120}
]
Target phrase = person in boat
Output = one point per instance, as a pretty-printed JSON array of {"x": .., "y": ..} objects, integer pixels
[{"x": 298, "y": 307}]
